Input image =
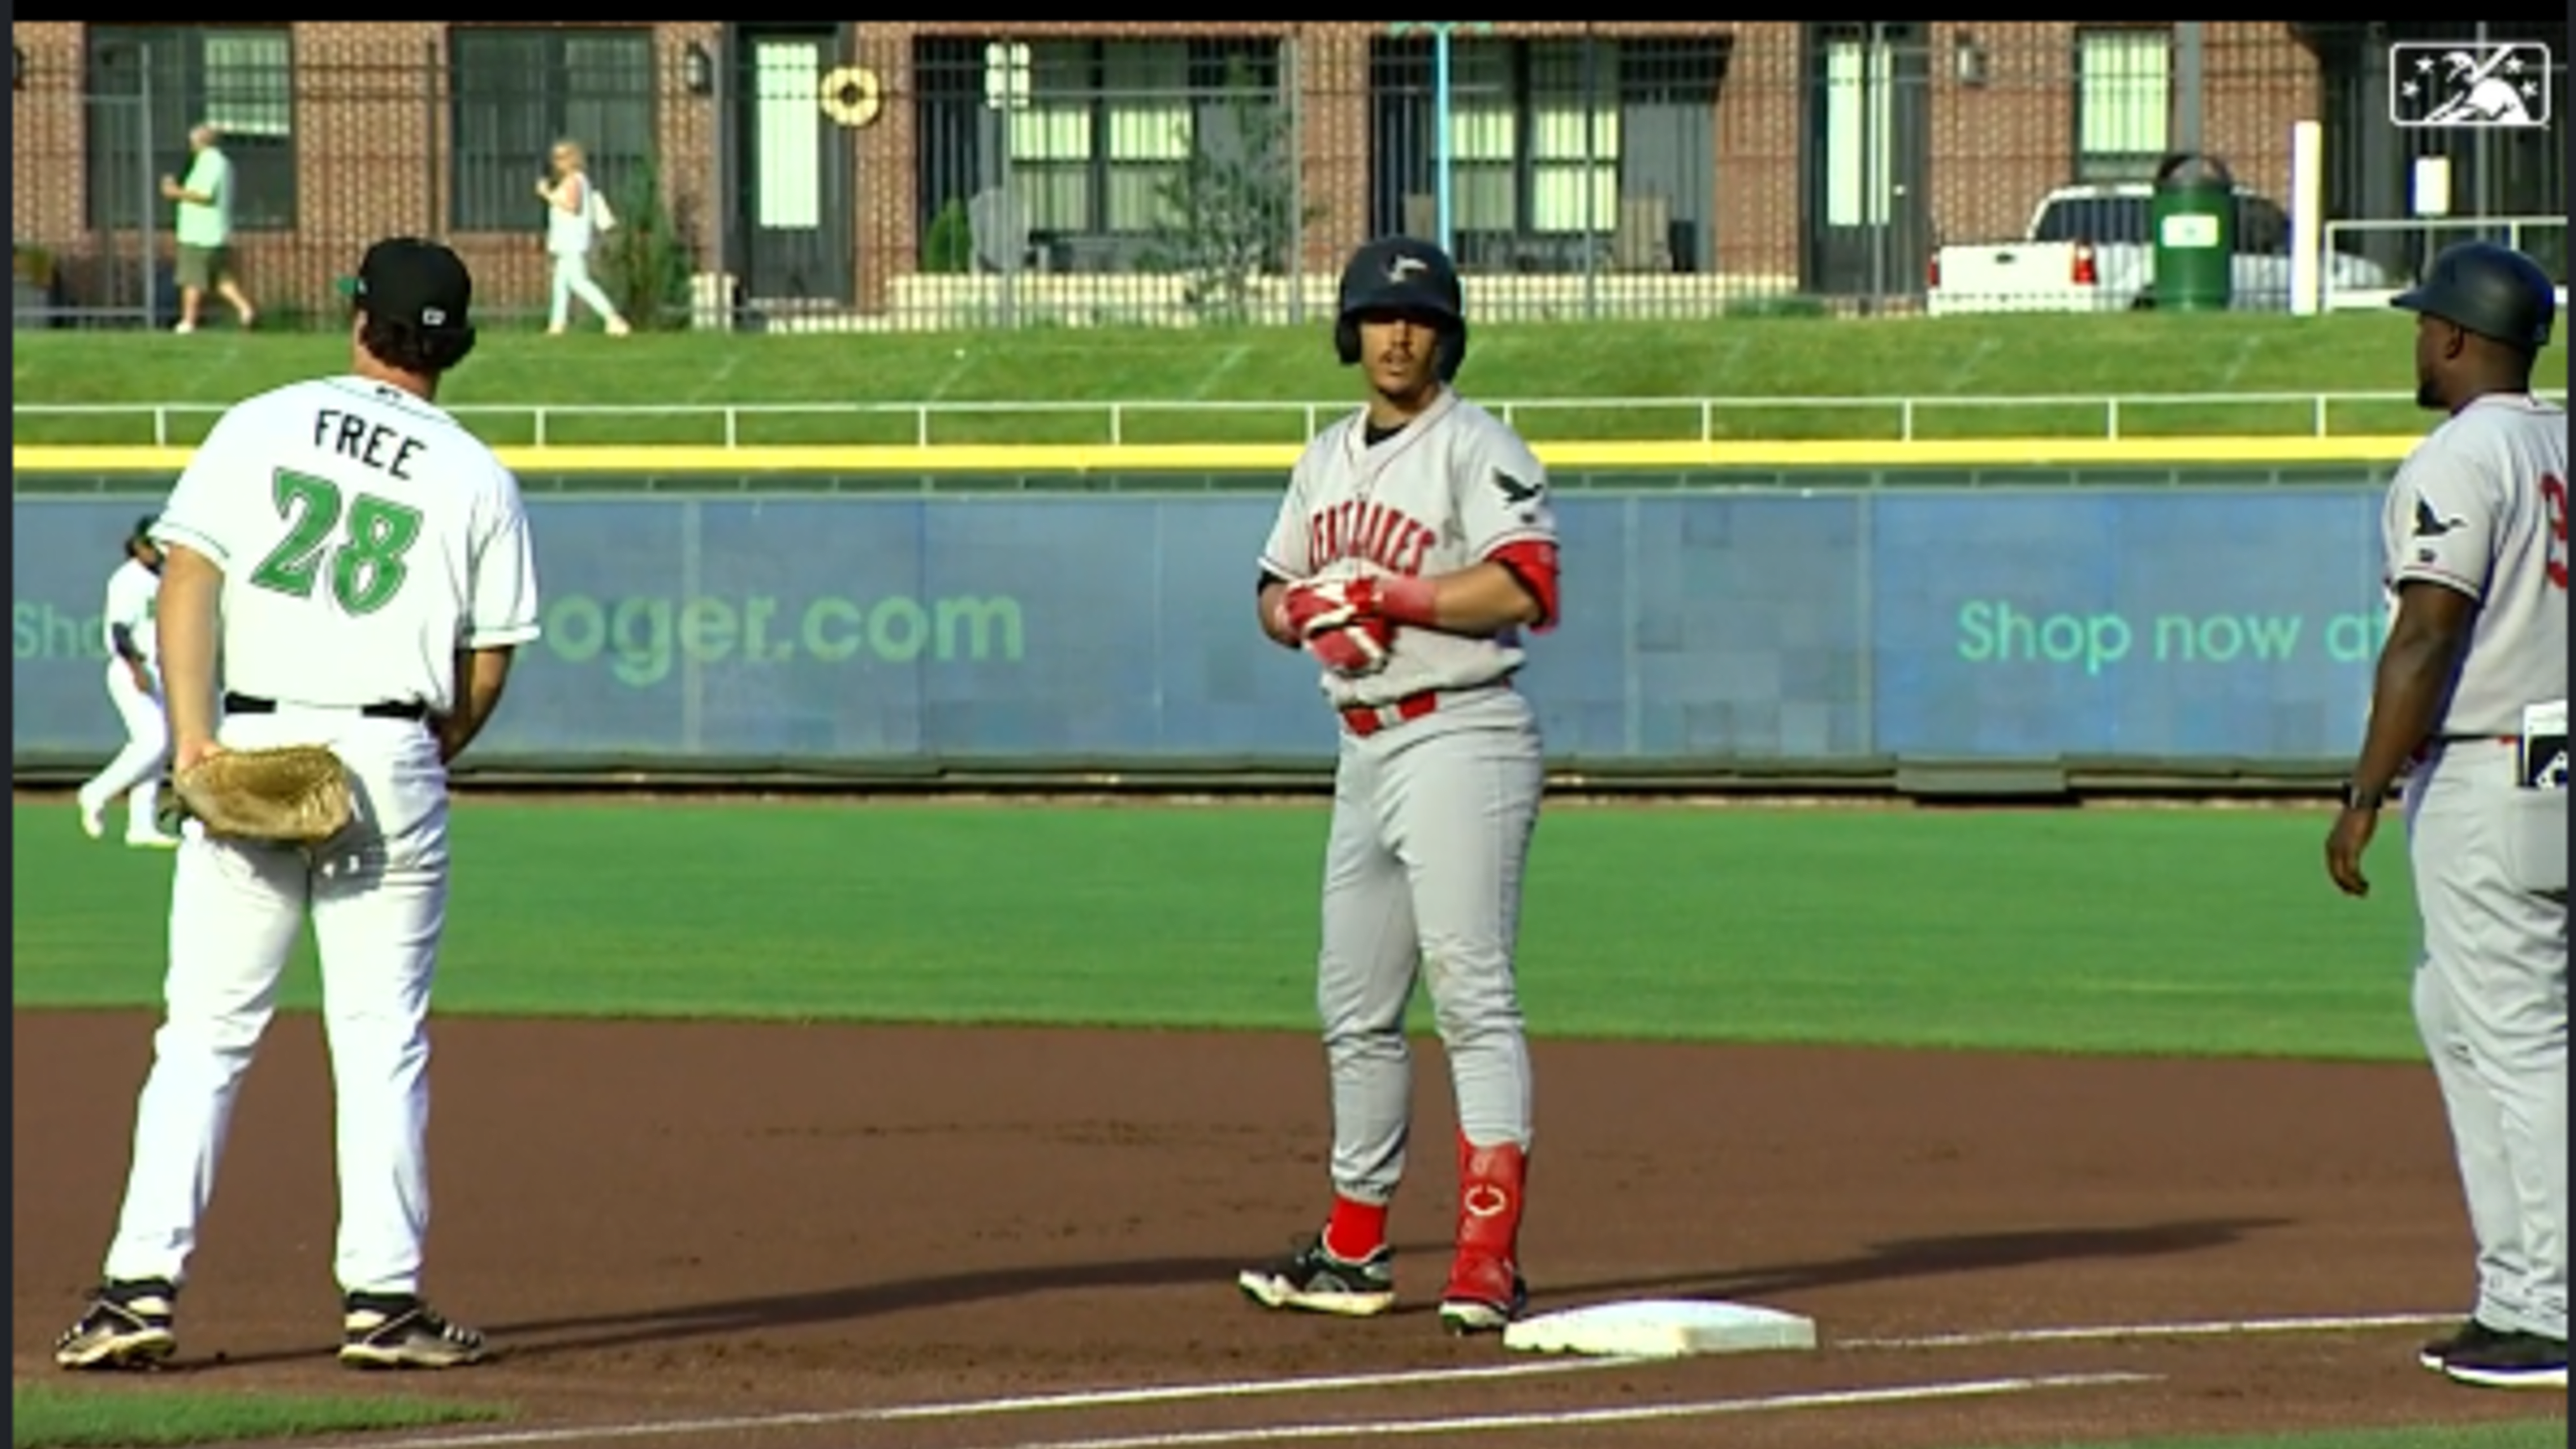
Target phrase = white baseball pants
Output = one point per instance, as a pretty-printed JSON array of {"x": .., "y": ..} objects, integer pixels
[
  {"x": 135, "y": 773},
  {"x": 2491, "y": 1002},
  {"x": 377, "y": 898}
]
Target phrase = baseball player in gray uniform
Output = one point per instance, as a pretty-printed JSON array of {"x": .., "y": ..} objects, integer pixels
[
  {"x": 2470, "y": 707},
  {"x": 1414, "y": 544}
]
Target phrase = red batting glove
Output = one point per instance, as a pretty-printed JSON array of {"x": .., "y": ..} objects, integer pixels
[
  {"x": 1398, "y": 598},
  {"x": 1356, "y": 648},
  {"x": 1311, "y": 607}
]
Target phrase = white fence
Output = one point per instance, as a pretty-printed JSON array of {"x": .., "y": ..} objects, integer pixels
[
  {"x": 1703, "y": 419},
  {"x": 2542, "y": 236}
]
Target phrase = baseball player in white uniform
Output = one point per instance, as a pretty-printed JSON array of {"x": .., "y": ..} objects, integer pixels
[
  {"x": 134, "y": 687},
  {"x": 364, "y": 564},
  {"x": 2470, "y": 708},
  {"x": 1413, "y": 547}
]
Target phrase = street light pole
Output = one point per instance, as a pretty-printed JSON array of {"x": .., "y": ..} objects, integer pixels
[{"x": 1443, "y": 192}]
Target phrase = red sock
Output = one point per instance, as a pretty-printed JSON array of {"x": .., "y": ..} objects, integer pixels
[{"x": 1356, "y": 1230}]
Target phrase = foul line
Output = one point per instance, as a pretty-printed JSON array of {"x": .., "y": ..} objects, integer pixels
[
  {"x": 1587, "y": 1418},
  {"x": 1081, "y": 1399},
  {"x": 985, "y": 1408},
  {"x": 2214, "y": 1328}
]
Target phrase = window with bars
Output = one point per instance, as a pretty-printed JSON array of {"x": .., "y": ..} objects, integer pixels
[
  {"x": 1534, "y": 135},
  {"x": 1573, "y": 124},
  {"x": 2123, "y": 102},
  {"x": 515, "y": 90},
  {"x": 1099, "y": 130},
  {"x": 150, "y": 84},
  {"x": 1484, "y": 137}
]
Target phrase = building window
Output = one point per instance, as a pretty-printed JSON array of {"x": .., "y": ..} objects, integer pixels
[
  {"x": 1533, "y": 140},
  {"x": 1574, "y": 138},
  {"x": 1090, "y": 137},
  {"x": 516, "y": 90},
  {"x": 149, "y": 84},
  {"x": 2123, "y": 102},
  {"x": 1484, "y": 138},
  {"x": 1099, "y": 130},
  {"x": 1145, "y": 105},
  {"x": 1534, "y": 146}
]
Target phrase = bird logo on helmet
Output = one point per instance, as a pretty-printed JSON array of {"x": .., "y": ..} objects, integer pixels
[{"x": 1409, "y": 277}]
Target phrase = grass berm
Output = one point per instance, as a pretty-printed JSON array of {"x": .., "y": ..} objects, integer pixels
[{"x": 1053, "y": 385}]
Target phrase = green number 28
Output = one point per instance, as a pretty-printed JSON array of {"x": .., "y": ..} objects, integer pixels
[{"x": 366, "y": 561}]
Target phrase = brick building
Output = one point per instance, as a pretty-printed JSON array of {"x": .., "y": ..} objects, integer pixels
[{"x": 815, "y": 162}]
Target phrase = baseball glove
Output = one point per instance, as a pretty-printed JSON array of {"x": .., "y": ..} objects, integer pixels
[{"x": 290, "y": 794}]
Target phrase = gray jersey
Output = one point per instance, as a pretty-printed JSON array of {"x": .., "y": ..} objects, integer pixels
[
  {"x": 1454, "y": 488},
  {"x": 2481, "y": 506}
]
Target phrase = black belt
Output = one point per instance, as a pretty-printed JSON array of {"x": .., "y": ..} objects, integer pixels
[{"x": 383, "y": 709}]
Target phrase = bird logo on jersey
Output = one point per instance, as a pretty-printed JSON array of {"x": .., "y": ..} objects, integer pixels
[{"x": 2429, "y": 524}]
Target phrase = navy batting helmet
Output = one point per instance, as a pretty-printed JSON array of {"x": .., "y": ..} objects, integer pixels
[
  {"x": 2490, "y": 290},
  {"x": 1400, "y": 274}
]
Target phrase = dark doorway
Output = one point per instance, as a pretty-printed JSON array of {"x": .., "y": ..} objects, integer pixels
[
  {"x": 792, "y": 203},
  {"x": 1868, "y": 122}
]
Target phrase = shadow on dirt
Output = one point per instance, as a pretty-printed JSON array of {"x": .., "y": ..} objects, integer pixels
[
  {"x": 1896, "y": 1260},
  {"x": 1903, "y": 1259}
]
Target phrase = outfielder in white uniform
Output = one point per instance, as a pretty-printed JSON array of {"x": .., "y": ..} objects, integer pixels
[
  {"x": 134, "y": 687},
  {"x": 366, "y": 563},
  {"x": 1413, "y": 547},
  {"x": 2470, "y": 707}
]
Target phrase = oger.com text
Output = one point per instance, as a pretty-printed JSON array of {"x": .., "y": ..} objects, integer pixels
[{"x": 641, "y": 638}]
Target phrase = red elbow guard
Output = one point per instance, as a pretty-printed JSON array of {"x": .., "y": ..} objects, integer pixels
[{"x": 1533, "y": 562}]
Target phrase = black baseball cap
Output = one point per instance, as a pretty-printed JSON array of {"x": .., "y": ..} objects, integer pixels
[{"x": 411, "y": 279}]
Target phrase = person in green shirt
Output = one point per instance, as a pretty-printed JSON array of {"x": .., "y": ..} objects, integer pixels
[{"x": 205, "y": 230}]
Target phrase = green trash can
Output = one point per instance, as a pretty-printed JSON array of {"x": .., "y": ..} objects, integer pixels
[{"x": 2194, "y": 215}]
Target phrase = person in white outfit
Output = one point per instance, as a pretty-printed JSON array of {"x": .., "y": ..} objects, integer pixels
[
  {"x": 575, "y": 216},
  {"x": 134, "y": 685}
]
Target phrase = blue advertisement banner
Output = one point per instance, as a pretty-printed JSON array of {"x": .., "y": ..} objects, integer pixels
[{"x": 2167, "y": 624}]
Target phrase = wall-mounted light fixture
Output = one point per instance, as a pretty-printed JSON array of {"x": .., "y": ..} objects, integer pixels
[
  {"x": 1967, "y": 60},
  {"x": 698, "y": 70}
]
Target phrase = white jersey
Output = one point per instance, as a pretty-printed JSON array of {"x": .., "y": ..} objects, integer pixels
[
  {"x": 364, "y": 536},
  {"x": 1451, "y": 489},
  {"x": 131, "y": 593},
  {"x": 2481, "y": 506}
]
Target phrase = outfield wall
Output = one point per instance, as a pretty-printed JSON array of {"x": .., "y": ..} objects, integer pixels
[{"x": 2215, "y": 631}]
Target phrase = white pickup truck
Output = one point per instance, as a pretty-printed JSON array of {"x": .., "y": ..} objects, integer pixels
[{"x": 2091, "y": 249}]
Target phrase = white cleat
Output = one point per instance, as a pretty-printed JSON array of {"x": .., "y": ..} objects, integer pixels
[
  {"x": 153, "y": 841},
  {"x": 93, "y": 820}
]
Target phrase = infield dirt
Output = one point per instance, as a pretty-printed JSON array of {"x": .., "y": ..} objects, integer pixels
[{"x": 658, "y": 1221}]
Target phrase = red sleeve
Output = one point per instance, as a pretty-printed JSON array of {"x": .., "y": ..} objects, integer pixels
[{"x": 1533, "y": 562}]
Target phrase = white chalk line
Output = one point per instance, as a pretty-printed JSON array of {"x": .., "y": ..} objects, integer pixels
[
  {"x": 1085, "y": 1399},
  {"x": 2212, "y": 1328},
  {"x": 1064, "y": 1402},
  {"x": 1590, "y": 1418}
]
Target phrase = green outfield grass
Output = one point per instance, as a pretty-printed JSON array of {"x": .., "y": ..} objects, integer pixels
[
  {"x": 2153, "y": 931},
  {"x": 1964, "y": 358},
  {"x": 43, "y": 1416}
]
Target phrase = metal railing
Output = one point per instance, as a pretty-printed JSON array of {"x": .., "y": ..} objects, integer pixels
[
  {"x": 1700, "y": 419},
  {"x": 2405, "y": 246}
]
